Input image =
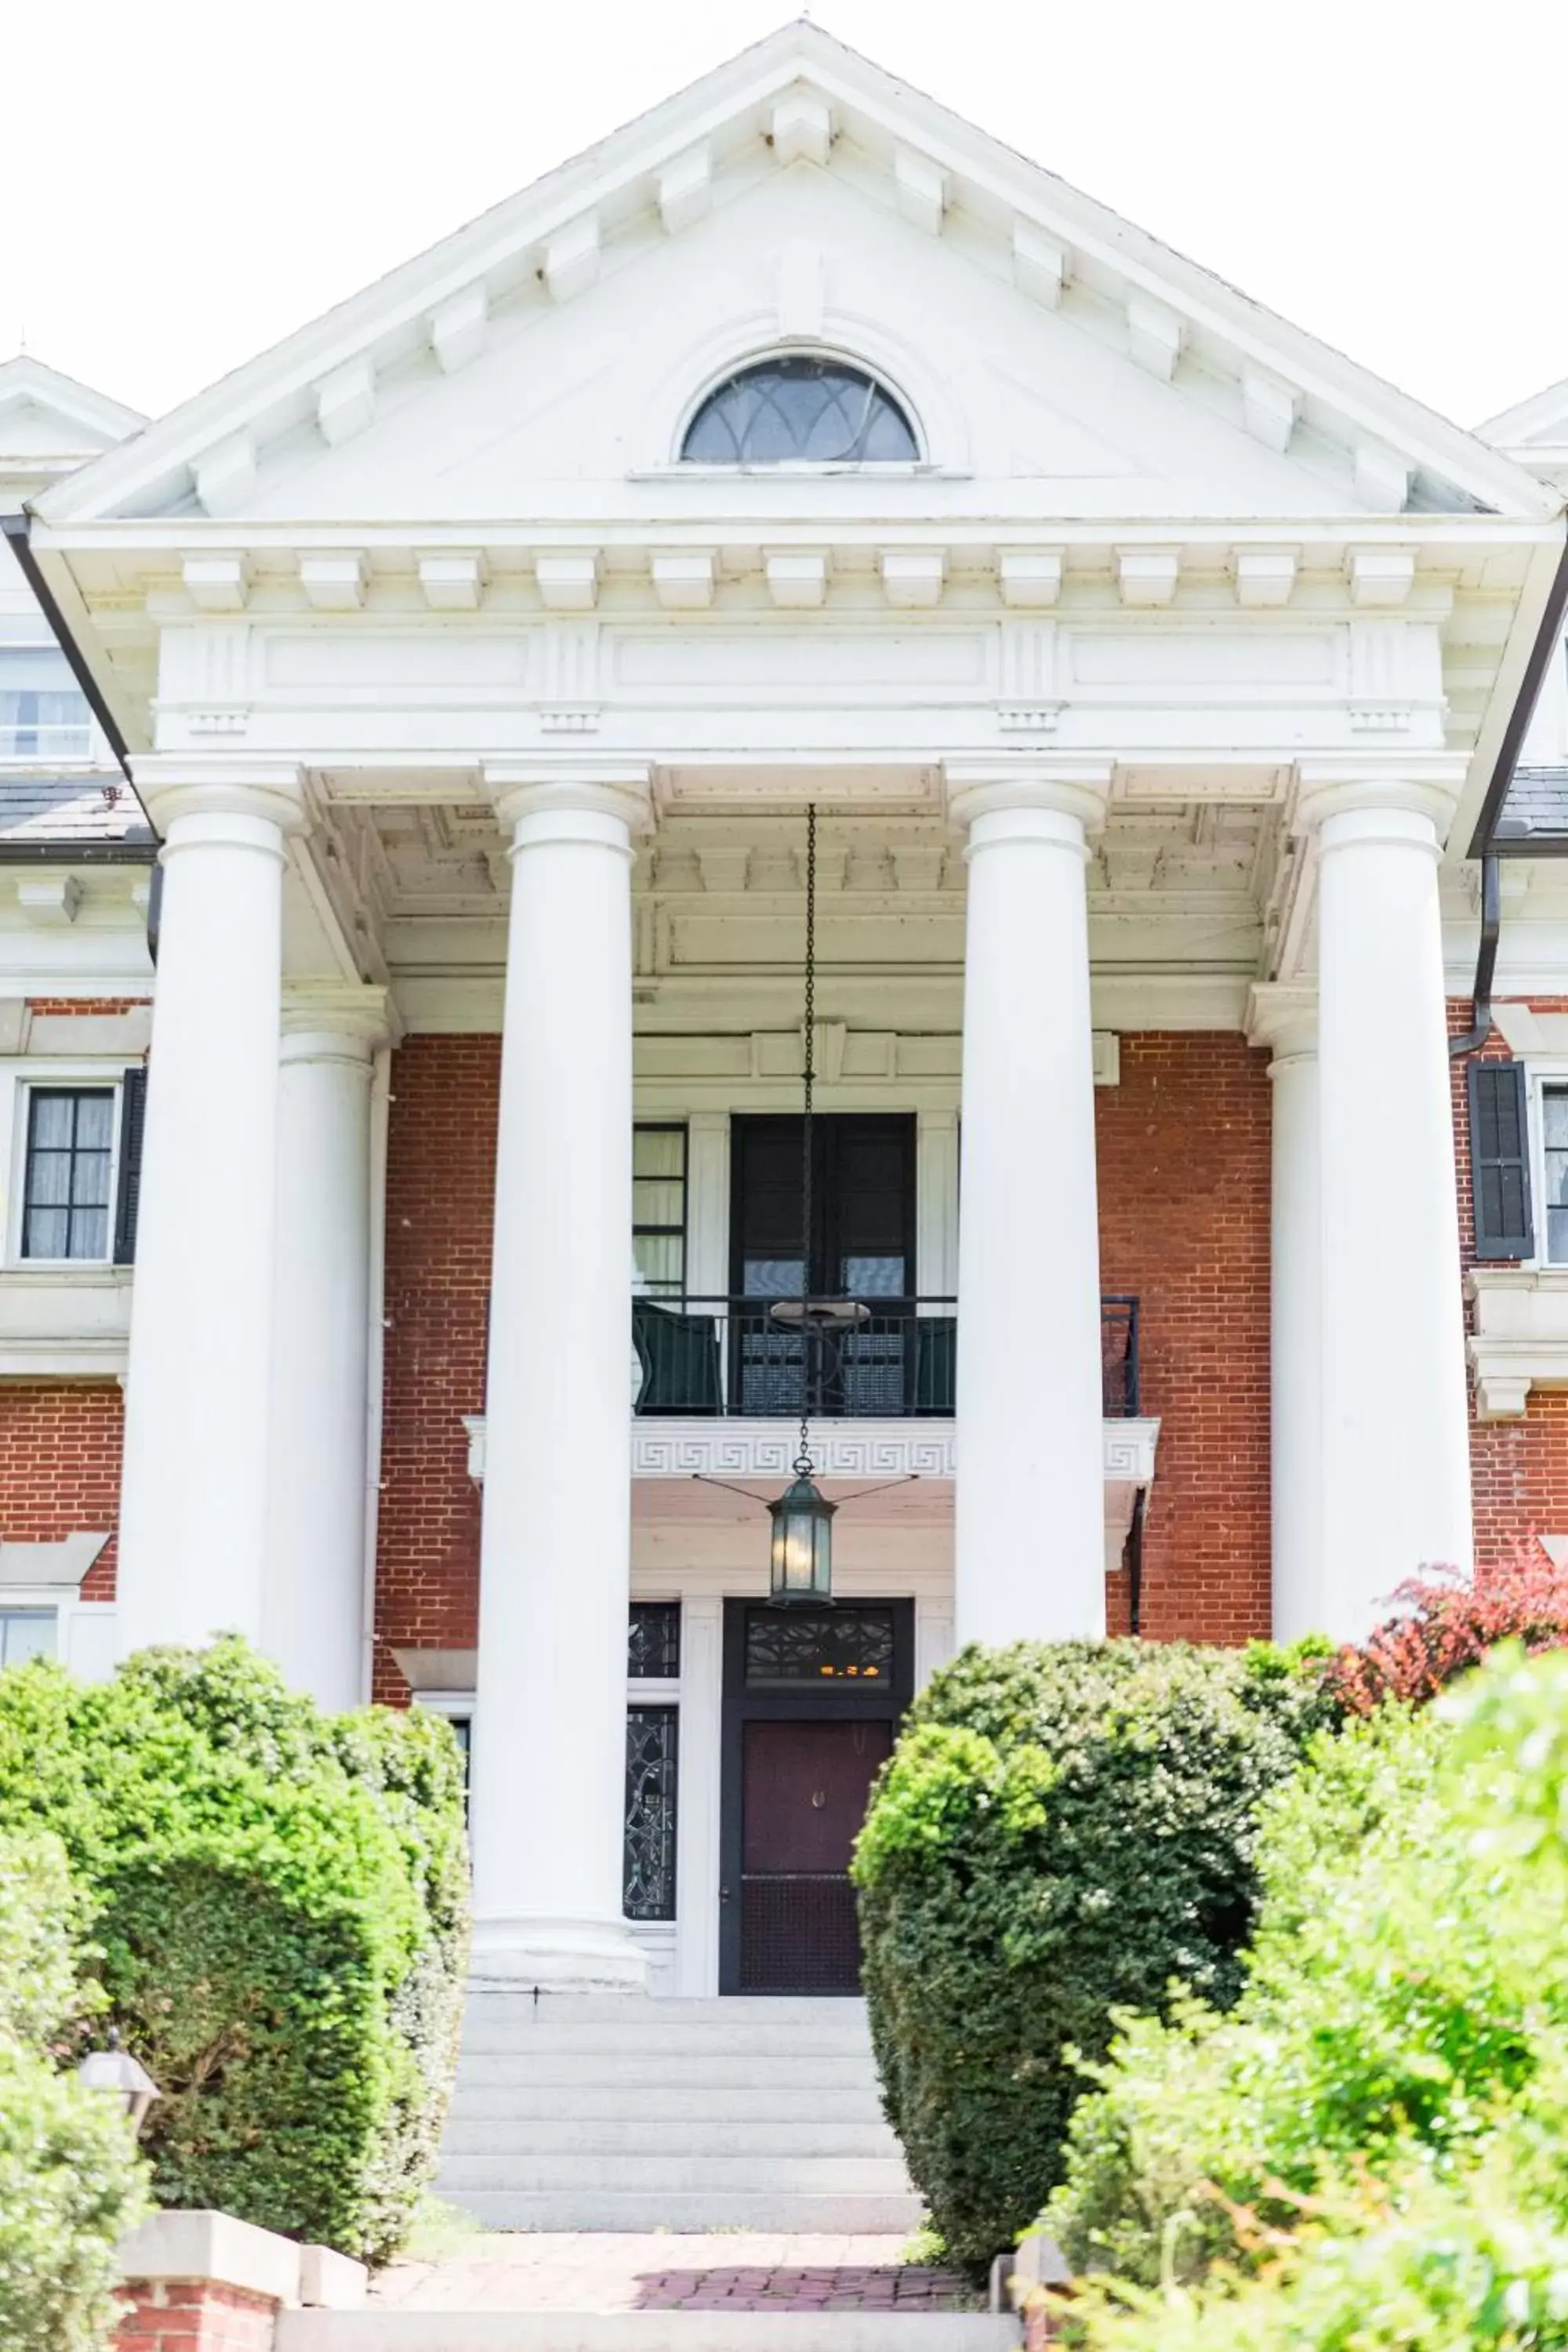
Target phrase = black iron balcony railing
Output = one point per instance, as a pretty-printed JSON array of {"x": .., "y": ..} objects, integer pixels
[{"x": 841, "y": 1359}]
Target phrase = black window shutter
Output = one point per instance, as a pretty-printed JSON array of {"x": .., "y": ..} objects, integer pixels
[
  {"x": 1500, "y": 1159},
  {"x": 132, "y": 1119}
]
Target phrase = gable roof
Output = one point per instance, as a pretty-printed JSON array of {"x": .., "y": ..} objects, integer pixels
[
  {"x": 50, "y": 424},
  {"x": 797, "y": 91}
]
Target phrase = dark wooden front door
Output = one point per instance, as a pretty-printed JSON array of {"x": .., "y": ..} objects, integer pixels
[
  {"x": 812, "y": 1702},
  {"x": 803, "y": 1799}
]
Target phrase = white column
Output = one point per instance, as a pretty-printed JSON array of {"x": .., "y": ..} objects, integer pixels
[
  {"x": 936, "y": 1205},
  {"x": 697, "y": 1860},
  {"x": 1287, "y": 1019},
  {"x": 313, "y": 1601},
  {"x": 550, "y": 1745},
  {"x": 1029, "y": 1535},
  {"x": 1396, "y": 1483},
  {"x": 708, "y": 1204},
  {"x": 193, "y": 1494}
]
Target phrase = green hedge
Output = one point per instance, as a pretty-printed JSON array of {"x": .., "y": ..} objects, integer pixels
[
  {"x": 279, "y": 1898},
  {"x": 71, "y": 2185},
  {"x": 1061, "y": 1831},
  {"x": 1367, "y": 2150}
]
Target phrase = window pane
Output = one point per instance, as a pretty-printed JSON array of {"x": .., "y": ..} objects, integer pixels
[
  {"x": 90, "y": 1180},
  {"x": 47, "y": 1233},
  {"x": 49, "y": 1179},
  {"x": 660, "y": 1258},
  {"x": 648, "y": 1884},
  {"x": 656, "y": 1202},
  {"x": 1557, "y": 1235},
  {"x": 53, "y": 1118},
  {"x": 874, "y": 1277},
  {"x": 1554, "y": 1103},
  {"x": 88, "y": 1233},
  {"x": 658, "y": 1151},
  {"x": 1557, "y": 1176},
  {"x": 94, "y": 1122},
  {"x": 797, "y": 409},
  {"x": 772, "y": 1277},
  {"x": 25, "y": 1633}
]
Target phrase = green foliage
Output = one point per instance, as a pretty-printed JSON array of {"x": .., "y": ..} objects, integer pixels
[
  {"x": 1060, "y": 1830},
  {"x": 1367, "y": 2151},
  {"x": 279, "y": 1899},
  {"x": 71, "y": 2185}
]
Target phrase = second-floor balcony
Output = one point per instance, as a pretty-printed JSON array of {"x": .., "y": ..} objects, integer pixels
[{"x": 832, "y": 1358}]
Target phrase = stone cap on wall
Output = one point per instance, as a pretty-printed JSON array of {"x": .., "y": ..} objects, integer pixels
[{"x": 218, "y": 2249}]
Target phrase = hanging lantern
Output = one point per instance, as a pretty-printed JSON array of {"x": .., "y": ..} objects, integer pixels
[{"x": 802, "y": 1561}]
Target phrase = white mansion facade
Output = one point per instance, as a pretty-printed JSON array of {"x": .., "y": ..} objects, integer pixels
[{"x": 476, "y": 655}]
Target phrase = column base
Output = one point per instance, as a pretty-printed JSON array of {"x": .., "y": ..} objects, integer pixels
[{"x": 562, "y": 1955}]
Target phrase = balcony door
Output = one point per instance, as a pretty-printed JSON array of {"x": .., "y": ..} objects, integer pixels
[{"x": 862, "y": 1251}]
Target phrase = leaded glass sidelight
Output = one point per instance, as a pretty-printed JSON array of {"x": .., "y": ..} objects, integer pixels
[
  {"x": 648, "y": 1883},
  {"x": 653, "y": 1640},
  {"x": 800, "y": 411}
]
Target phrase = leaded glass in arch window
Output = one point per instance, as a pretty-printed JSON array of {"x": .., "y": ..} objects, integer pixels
[{"x": 800, "y": 411}]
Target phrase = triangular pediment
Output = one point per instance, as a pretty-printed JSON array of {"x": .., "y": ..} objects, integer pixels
[
  {"x": 50, "y": 425},
  {"x": 797, "y": 197},
  {"x": 1534, "y": 432}
]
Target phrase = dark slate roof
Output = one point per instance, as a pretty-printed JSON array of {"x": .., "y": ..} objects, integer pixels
[
  {"x": 68, "y": 809},
  {"x": 1537, "y": 805}
]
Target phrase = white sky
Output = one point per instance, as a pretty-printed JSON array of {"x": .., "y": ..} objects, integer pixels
[{"x": 181, "y": 185}]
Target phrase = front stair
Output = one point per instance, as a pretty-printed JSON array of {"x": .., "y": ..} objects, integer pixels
[{"x": 620, "y": 2111}]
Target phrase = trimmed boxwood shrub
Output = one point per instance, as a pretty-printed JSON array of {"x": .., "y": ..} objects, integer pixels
[
  {"x": 71, "y": 2185},
  {"x": 1062, "y": 1831},
  {"x": 279, "y": 1902}
]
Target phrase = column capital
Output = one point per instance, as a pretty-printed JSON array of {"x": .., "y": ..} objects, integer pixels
[
  {"x": 174, "y": 785},
  {"x": 1283, "y": 1015},
  {"x": 1422, "y": 784},
  {"x": 564, "y": 788},
  {"x": 334, "y": 1019},
  {"x": 1065, "y": 786}
]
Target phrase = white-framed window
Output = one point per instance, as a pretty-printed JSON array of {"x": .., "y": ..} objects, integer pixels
[
  {"x": 67, "y": 1172},
  {"x": 28, "y": 1629},
  {"x": 660, "y": 1176},
  {"x": 75, "y": 1163},
  {"x": 1550, "y": 1158},
  {"x": 44, "y": 714}
]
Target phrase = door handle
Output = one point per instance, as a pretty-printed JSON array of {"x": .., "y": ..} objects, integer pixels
[{"x": 723, "y": 1895}]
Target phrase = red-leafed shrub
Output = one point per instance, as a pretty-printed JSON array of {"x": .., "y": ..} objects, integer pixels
[{"x": 1444, "y": 1624}]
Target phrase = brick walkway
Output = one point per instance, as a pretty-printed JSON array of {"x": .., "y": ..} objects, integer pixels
[{"x": 734, "y": 2271}]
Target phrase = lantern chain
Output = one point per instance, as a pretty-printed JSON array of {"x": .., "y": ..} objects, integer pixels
[{"x": 802, "y": 1463}]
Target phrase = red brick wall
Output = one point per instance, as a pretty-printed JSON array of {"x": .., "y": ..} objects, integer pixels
[
  {"x": 59, "y": 1465},
  {"x": 195, "y": 2315},
  {"x": 1183, "y": 1151},
  {"x": 1183, "y": 1146},
  {"x": 440, "y": 1182},
  {"x": 54, "y": 1007},
  {"x": 1520, "y": 1468}
]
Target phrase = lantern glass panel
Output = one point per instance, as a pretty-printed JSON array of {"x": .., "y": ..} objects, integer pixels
[{"x": 802, "y": 1561}]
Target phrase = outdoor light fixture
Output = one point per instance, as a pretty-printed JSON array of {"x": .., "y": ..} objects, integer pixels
[
  {"x": 801, "y": 1559},
  {"x": 114, "y": 2072}
]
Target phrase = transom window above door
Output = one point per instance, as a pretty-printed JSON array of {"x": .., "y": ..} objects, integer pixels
[{"x": 799, "y": 410}]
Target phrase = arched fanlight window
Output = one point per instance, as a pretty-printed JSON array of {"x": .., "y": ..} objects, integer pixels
[{"x": 801, "y": 411}]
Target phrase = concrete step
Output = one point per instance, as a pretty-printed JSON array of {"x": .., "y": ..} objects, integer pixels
[
  {"x": 800, "y": 2214},
  {"x": 535, "y": 2168},
  {"x": 697, "y": 2069},
  {"x": 490, "y": 2094},
  {"x": 523, "y": 2031},
  {"x": 645, "y": 2331},
  {"x": 657, "y": 2135}
]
